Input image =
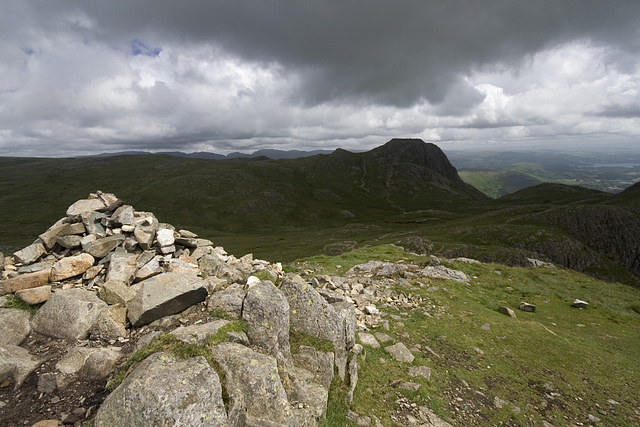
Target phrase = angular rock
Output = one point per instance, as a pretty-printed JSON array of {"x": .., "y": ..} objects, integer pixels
[
  {"x": 92, "y": 272},
  {"x": 68, "y": 314},
  {"x": 400, "y": 353},
  {"x": 110, "y": 324},
  {"x": 442, "y": 272},
  {"x": 166, "y": 391},
  {"x": 149, "y": 269},
  {"x": 313, "y": 315},
  {"x": 24, "y": 281},
  {"x": 124, "y": 215},
  {"x": 14, "y": 326},
  {"x": 38, "y": 266},
  {"x": 368, "y": 339},
  {"x": 91, "y": 363},
  {"x": 122, "y": 267},
  {"x": 76, "y": 228},
  {"x": 71, "y": 241},
  {"x": 579, "y": 304},
  {"x": 228, "y": 301},
  {"x": 383, "y": 338},
  {"x": 178, "y": 265},
  {"x": 212, "y": 265},
  {"x": 525, "y": 306},
  {"x": 34, "y": 296},
  {"x": 266, "y": 312},
  {"x": 30, "y": 254},
  {"x": 420, "y": 371},
  {"x": 70, "y": 266},
  {"x": 237, "y": 337},
  {"x": 84, "y": 206},
  {"x": 506, "y": 310},
  {"x": 319, "y": 363},
  {"x": 99, "y": 248},
  {"x": 18, "y": 363},
  {"x": 49, "y": 237},
  {"x": 256, "y": 395},
  {"x": 116, "y": 292},
  {"x": 93, "y": 223},
  {"x": 163, "y": 295},
  {"x": 164, "y": 236},
  {"x": 198, "y": 334}
]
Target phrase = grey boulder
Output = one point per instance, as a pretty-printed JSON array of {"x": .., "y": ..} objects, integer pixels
[
  {"x": 164, "y": 295},
  {"x": 165, "y": 391},
  {"x": 68, "y": 314}
]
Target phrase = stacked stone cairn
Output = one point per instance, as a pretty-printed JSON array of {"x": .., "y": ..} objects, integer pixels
[{"x": 106, "y": 276}]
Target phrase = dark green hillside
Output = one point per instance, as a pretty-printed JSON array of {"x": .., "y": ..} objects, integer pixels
[
  {"x": 240, "y": 196},
  {"x": 286, "y": 209}
]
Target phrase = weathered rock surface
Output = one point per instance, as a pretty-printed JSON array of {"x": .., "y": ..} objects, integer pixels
[
  {"x": 30, "y": 254},
  {"x": 70, "y": 267},
  {"x": 198, "y": 334},
  {"x": 68, "y": 314},
  {"x": 116, "y": 292},
  {"x": 579, "y": 304},
  {"x": 100, "y": 248},
  {"x": 165, "y": 391},
  {"x": 400, "y": 352},
  {"x": 34, "y": 296},
  {"x": 256, "y": 394},
  {"x": 17, "y": 363},
  {"x": 163, "y": 295},
  {"x": 24, "y": 281},
  {"x": 14, "y": 326}
]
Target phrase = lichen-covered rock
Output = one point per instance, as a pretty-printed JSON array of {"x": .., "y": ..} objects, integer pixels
[
  {"x": 313, "y": 315},
  {"x": 68, "y": 314},
  {"x": 228, "y": 301},
  {"x": 256, "y": 394},
  {"x": 164, "y": 295},
  {"x": 198, "y": 334},
  {"x": 165, "y": 391},
  {"x": 266, "y": 312},
  {"x": 110, "y": 324}
]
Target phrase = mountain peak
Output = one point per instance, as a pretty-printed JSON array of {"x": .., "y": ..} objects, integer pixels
[{"x": 416, "y": 151}]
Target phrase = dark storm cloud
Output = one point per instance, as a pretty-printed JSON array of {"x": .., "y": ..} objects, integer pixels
[
  {"x": 386, "y": 52},
  {"x": 79, "y": 77}
]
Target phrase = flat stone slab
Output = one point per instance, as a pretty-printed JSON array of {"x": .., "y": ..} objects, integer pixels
[
  {"x": 420, "y": 371},
  {"x": 164, "y": 295},
  {"x": 71, "y": 266},
  {"x": 400, "y": 353},
  {"x": 24, "y": 281},
  {"x": 368, "y": 339},
  {"x": 30, "y": 254}
]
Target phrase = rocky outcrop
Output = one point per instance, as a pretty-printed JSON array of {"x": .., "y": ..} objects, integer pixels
[
  {"x": 107, "y": 275},
  {"x": 165, "y": 391}
]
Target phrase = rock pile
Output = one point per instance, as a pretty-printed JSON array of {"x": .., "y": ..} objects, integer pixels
[{"x": 107, "y": 278}]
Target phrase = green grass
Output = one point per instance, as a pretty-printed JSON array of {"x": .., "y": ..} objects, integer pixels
[
  {"x": 15, "y": 302},
  {"x": 557, "y": 362}
]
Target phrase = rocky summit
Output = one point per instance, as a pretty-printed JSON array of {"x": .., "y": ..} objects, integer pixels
[{"x": 142, "y": 324}]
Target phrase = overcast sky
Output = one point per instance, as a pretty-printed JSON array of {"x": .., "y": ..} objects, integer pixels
[{"x": 93, "y": 76}]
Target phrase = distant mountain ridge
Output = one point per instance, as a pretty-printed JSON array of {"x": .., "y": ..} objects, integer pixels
[{"x": 265, "y": 152}]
